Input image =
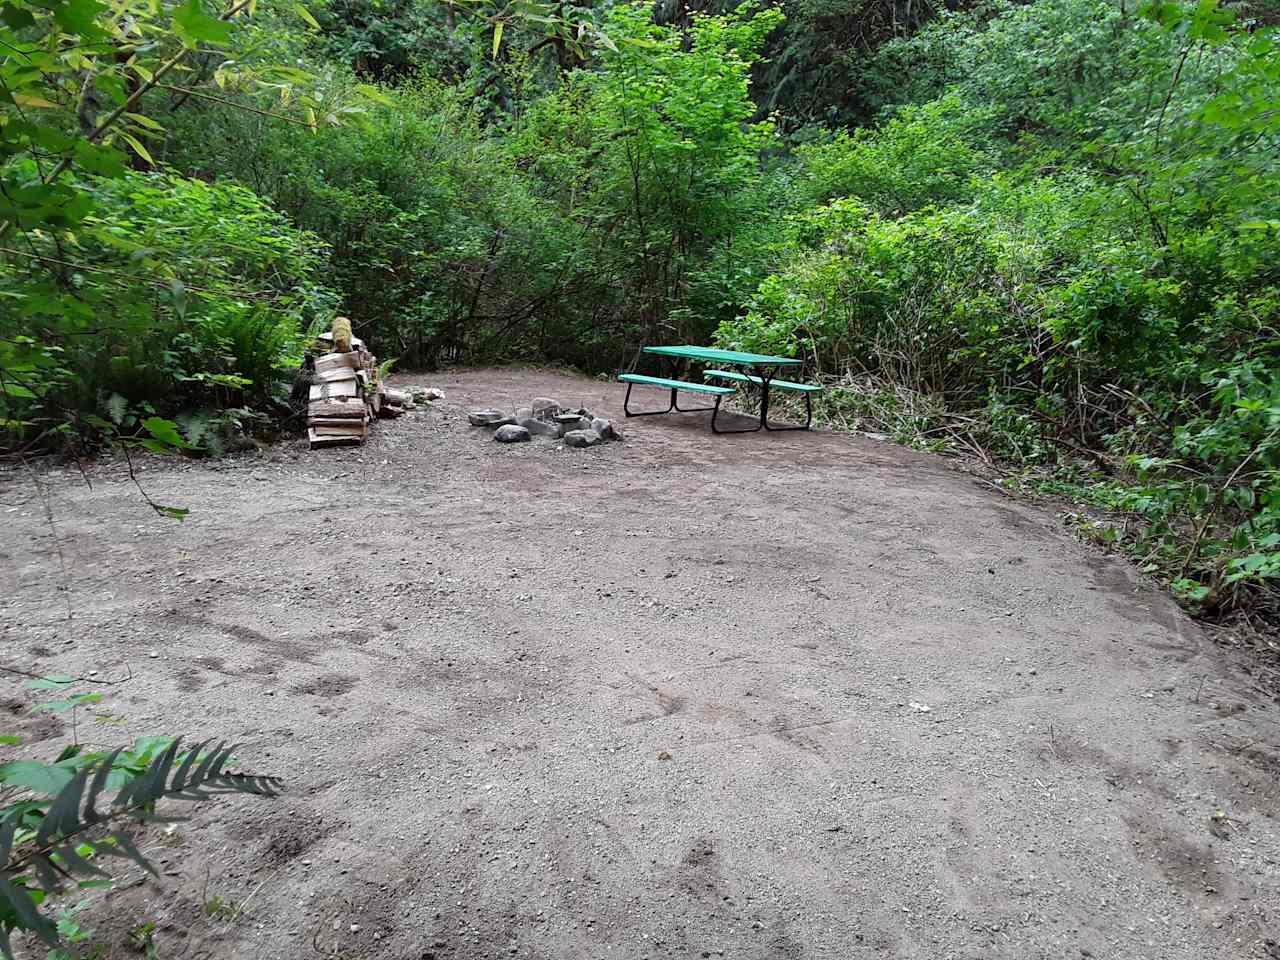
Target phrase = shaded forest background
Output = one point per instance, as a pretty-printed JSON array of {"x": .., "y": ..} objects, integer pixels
[{"x": 1040, "y": 234}]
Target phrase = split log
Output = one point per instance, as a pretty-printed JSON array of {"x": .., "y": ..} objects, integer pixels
[
  {"x": 319, "y": 439},
  {"x": 337, "y": 361},
  {"x": 336, "y": 425},
  {"x": 342, "y": 389},
  {"x": 348, "y": 408}
]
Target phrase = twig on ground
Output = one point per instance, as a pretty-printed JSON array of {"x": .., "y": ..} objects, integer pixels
[{"x": 105, "y": 683}]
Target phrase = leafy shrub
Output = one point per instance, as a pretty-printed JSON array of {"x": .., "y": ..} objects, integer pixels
[
  {"x": 569, "y": 231},
  {"x": 61, "y": 822},
  {"x": 653, "y": 160},
  {"x": 922, "y": 155},
  {"x": 437, "y": 246},
  {"x": 1117, "y": 319},
  {"x": 180, "y": 296}
]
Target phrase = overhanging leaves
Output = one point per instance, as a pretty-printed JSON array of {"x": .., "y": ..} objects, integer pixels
[
  {"x": 62, "y": 847},
  {"x": 194, "y": 26}
]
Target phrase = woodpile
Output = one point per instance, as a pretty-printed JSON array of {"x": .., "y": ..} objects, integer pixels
[{"x": 346, "y": 392}]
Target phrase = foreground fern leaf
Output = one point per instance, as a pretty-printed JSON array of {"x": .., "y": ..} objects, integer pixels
[{"x": 61, "y": 850}]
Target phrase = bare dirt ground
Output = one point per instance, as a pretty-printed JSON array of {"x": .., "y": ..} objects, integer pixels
[{"x": 662, "y": 699}]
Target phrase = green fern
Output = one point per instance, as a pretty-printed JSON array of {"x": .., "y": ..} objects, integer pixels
[{"x": 45, "y": 845}]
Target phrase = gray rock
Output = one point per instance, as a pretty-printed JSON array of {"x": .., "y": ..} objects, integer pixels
[
  {"x": 605, "y": 428},
  {"x": 488, "y": 418},
  {"x": 582, "y": 438},
  {"x": 511, "y": 433},
  {"x": 567, "y": 419},
  {"x": 523, "y": 413},
  {"x": 544, "y": 408},
  {"x": 434, "y": 393},
  {"x": 540, "y": 428},
  {"x": 584, "y": 423}
]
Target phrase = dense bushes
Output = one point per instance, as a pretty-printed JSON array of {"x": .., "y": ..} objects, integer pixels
[
  {"x": 182, "y": 298},
  {"x": 1108, "y": 302},
  {"x": 435, "y": 243},
  {"x": 572, "y": 232}
]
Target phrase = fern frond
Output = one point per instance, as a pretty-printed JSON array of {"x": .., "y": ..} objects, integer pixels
[{"x": 58, "y": 852}]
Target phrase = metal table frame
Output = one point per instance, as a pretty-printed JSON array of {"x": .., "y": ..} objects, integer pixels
[{"x": 763, "y": 365}]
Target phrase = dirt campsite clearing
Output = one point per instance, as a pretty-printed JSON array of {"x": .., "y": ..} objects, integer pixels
[{"x": 797, "y": 695}]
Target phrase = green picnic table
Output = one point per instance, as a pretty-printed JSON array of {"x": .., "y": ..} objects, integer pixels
[{"x": 762, "y": 372}]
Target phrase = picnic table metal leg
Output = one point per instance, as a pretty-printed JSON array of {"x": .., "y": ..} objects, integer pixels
[
  {"x": 716, "y": 429},
  {"x": 764, "y": 408},
  {"x": 626, "y": 405},
  {"x": 680, "y": 409}
]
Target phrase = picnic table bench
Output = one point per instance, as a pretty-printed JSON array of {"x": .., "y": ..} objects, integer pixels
[{"x": 765, "y": 366}]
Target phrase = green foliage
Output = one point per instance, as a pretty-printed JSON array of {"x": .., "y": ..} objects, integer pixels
[
  {"x": 1064, "y": 258},
  {"x": 423, "y": 214},
  {"x": 65, "y": 823},
  {"x": 815, "y": 68},
  {"x": 100, "y": 273},
  {"x": 653, "y": 162},
  {"x": 390, "y": 39},
  {"x": 585, "y": 218},
  {"x": 182, "y": 296},
  {"x": 923, "y": 155}
]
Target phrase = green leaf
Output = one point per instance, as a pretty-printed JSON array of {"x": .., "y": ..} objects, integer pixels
[
  {"x": 173, "y": 513},
  {"x": 14, "y": 18},
  {"x": 138, "y": 148},
  {"x": 193, "y": 25},
  {"x": 104, "y": 161},
  {"x": 166, "y": 431},
  {"x": 117, "y": 407},
  {"x": 27, "y": 100},
  {"x": 61, "y": 706},
  {"x": 79, "y": 17},
  {"x": 179, "y": 291},
  {"x": 43, "y": 778},
  {"x": 305, "y": 14},
  {"x": 497, "y": 37},
  {"x": 144, "y": 121},
  {"x": 69, "y": 751},
  {"x": 50, "y": 683},
  {"x": 370, "y": 92},
  {"x": 8, "y": 741}
]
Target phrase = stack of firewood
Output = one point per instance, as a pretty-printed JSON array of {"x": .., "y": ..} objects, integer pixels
[{"x": 345, "y": 393}]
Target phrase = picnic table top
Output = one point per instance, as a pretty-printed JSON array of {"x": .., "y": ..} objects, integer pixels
[{"x": 723, "y": 356}]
